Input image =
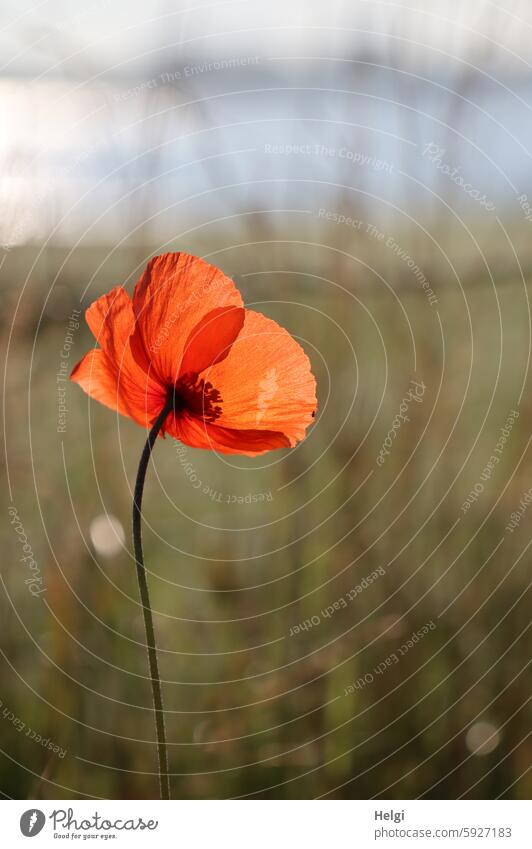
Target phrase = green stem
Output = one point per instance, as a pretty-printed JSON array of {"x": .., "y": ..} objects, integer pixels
[{"x": 164, "y": 780}]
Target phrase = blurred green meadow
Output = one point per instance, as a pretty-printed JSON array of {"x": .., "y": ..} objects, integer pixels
[{"x": 328, "y": 625}]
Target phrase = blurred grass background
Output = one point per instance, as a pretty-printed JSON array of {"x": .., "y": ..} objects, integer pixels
[
  {"x": 101, "y": 169},
  {"x": 252, "y": 709}
]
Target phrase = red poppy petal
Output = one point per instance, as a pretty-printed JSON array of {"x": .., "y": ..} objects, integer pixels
[
  {"x": 198, "y": 434},
  {"x": 171, "y": 297},
  {"x": 98, "y": 376},
  {"x": 134, "y": 393},
  {"x": 211, "y": 339},
  {"x": 112, "y": 321},
  {"x": 265, "y": 381}
]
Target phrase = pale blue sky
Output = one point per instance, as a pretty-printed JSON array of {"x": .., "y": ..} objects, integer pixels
[{"x": 126, "y": 36}]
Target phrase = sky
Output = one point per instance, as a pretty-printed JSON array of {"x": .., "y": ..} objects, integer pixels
[
  {"x": 124, "y": 37},
  {"x": 88, "y": 108}
]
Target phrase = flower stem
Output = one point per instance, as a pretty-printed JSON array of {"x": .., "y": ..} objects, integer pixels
[{"x": 164, "y": 780}]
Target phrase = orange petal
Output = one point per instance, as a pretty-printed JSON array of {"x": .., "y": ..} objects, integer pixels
[
  {"x": 211, "y": 339},
  {"x": 171, "y": 297},
  {"x": 99, "y": 377},
  {"x": 198, "y": 434},
  {"x": 112, "y": 321},
  {"x": 265, "y": 381}
]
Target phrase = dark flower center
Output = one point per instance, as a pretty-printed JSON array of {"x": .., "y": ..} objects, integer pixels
[{"x": 197, "y": 397}]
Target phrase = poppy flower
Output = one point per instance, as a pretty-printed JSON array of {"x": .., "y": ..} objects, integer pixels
[
  {"x": 234, "y": 381},
  {"x": 184, "y": 357}
]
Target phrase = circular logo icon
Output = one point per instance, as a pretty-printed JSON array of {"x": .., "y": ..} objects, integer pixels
[{"x": 32, "y": 822}]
